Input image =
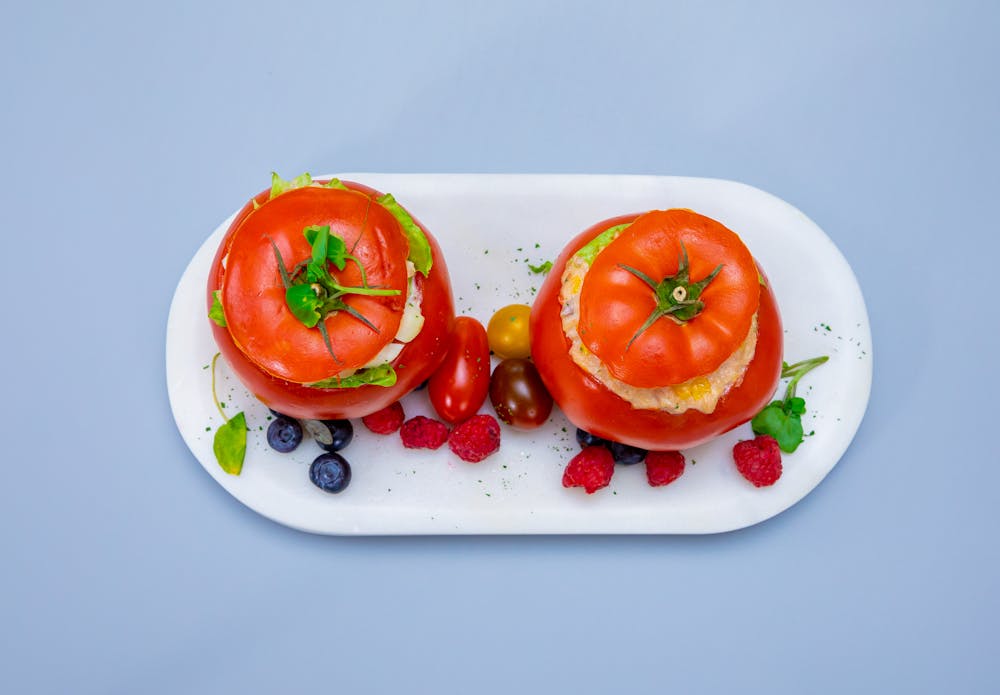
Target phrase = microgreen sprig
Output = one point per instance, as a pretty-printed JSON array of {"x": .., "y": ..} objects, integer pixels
[
  {"x": 783, "y": 419},
  {"x": 676, "y": 296},
  {"x": 312, "y": 293}
]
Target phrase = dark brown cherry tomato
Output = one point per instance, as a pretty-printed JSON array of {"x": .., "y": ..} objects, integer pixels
[
  {"x": 518, "y": 394},
  {"x": 458, "y": 388}
]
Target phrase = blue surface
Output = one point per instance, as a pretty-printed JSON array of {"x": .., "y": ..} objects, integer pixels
[{"x": 129, "y": 132}]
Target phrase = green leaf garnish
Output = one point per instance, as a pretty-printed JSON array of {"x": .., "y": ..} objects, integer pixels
[
  {"x": 420, "y": 248},
  {"x": 337, "y": 184},
  {"x": 279, "y": 185},
  {"x": 541, "y": 269},
  {"x": 382, "y": 375},
  {"x": 783, "y": 419},
  {"x": 216, "y": 313},
  {"x": 600, "y": 242},
  {"x": 230, "y": 444},
  {"x": 304, "y": 303}
]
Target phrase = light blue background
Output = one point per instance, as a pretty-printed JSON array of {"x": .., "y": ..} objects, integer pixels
[{"x": 129, "y": 132}]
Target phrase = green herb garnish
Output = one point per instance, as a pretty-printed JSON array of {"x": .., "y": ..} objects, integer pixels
[
  {"x": 783, "y": 419},
  {"x": 312, "y": 294},
  {"x": 541, "y": 269},
  {"x": 230, "y": 442}
]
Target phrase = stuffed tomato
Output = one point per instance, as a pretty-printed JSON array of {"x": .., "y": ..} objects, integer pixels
[
  {"x": 657, "y": 330},
  {"x": 328, "y": 299}
]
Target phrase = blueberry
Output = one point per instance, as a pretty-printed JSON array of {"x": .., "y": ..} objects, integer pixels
[
  {"x": 341, "y": 433},
  {"x": 331, "y": 435},
  {"x": 627, "y": 455},
  {"x": 284, "y": 434},
  {"x": 585, "y": 439},
  {"x": 330, "y": 472}
]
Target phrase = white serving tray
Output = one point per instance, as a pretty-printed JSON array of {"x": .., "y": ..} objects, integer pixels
[{"x": 488, "y": 225}]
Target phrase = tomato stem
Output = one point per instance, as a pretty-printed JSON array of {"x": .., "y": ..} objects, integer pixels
[{"x": 676, "y": 296}]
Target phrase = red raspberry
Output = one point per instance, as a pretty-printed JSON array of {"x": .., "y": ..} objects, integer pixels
[
  {"x": 476, "y": 438},
  {"x": 591, "y": 469},
  {"x": 664, "y": 467},
  {"x": 759, "y": 460},
  {"x": 385, "y": 421},
  {"x": 423, "y": 433}
]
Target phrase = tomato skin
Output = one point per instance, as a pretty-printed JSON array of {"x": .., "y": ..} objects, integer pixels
[
  {"x": 413, "y": 366},
  {"x": 508, "y": 332},
  {"x": 591, "y": 406},
  {"x": 459, "y": 386},
  {"x": 518, "y": 394}
]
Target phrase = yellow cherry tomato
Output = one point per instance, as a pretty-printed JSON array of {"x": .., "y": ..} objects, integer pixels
[{"x": 508, "y": 332}]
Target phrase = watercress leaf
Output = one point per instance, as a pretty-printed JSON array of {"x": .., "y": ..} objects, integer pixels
[
  {"x": 216, "y": 313},
  {"x": 312, "y": 232},
  {"x": 541, "y": 269},
  {"x": 796, "y": 406},
  {"x": 420, "y": 248},
  {"x": 785, "y": 428},
  {"x": 382, "y": 375},
  {"x": 279, "y": 185},
  {"x": 790, "y": 435},
  {"x": 319, "y": 244},
  {"x": 230, "y": 444},
  {"x": 304, "y": 304},
  {"x": 769, "y": 419},
  {"x": 336, "y": 251}
]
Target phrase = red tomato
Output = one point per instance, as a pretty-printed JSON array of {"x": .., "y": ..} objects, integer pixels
[
  {"x": 589, "y": 404},
  {"x": 273, "y": 353},
  {"x": 459, "y": 386}
]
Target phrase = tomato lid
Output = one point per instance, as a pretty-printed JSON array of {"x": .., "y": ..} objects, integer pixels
[
  {"x": 634, "y": 329},
  {"x": 253, "y": 294}
]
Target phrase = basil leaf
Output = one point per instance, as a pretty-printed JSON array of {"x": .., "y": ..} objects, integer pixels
[
  {"x": 303, "y": 303},
  {"x": 382, "y": 375},
  {"x": 279, "y": 185},
  {"x": 230, "y": 444},
  {"x": 420, "y": 248},
  {"x": 216, "y": 313}
]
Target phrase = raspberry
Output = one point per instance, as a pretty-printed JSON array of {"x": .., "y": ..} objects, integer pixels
[
  {"x": 664, "y": 467},
  {"x": 591, "y": 469},
  {"x": 423, "y": 433},
  {"x": 385, "y": 421},
  {"x": 476, "y": 438},
  {"x": 759, "y": 460}
]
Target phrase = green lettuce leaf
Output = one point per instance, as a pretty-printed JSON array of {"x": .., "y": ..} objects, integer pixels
[
  {"x": 279, "y": 185},
  {"x": 382, "y": 375},
  {"x": 420, "y": 248},
  {"x": 216, "y": 313},
  {"x": 589, "y": 252}
]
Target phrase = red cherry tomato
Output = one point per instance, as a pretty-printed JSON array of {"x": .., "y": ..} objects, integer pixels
[
  {"x": 590, "y": 405},
  {"x": 255, "y": 349},
  {"x": 459, "y": 386},
  {"x": 518, "y": 394}
]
